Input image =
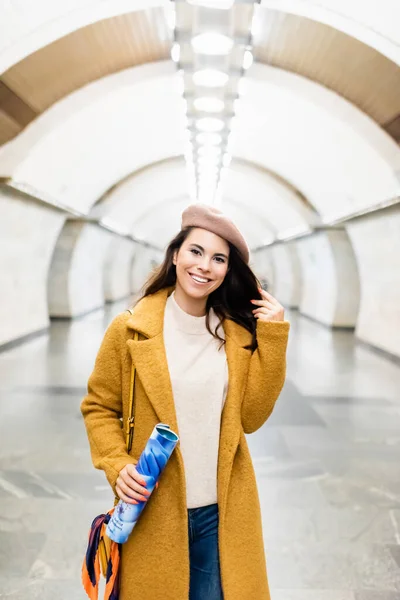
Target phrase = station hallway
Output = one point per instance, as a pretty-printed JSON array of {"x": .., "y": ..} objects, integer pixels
[
  {"x": 115, "y": 116},
  {"x": 327, "y": 467}
]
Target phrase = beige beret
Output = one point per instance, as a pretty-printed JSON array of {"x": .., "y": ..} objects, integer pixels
[{"x": 212, "y": 219}]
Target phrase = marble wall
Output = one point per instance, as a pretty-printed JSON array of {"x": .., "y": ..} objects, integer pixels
[
  {"x": 288, "y": 282},
  {"x": 28, "y": 233},
  {"x": 263, "y": 266},
  {"x": 376, "y": 242},
  {"x": 117, "y": 269},
  {"x": 144, "y": 262}
]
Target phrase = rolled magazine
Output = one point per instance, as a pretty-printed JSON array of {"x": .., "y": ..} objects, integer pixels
[{"x": 151, "y": 464}]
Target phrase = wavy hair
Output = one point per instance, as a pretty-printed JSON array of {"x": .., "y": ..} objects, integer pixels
[{"x": 231, "y": 300}]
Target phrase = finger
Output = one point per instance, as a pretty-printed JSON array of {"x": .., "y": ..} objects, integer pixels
[
  {"x": 134, "y": 481},
  {"x": 132, "y": 488},
  {"x": 132, "y": 471},
  {"x": 124, "y": 497},
  {"x": 268, "y": 296},
  {"x": 129, "y": 492},
  {"x": 263, "y": 311},
  {"x": 263, "y": 303}
]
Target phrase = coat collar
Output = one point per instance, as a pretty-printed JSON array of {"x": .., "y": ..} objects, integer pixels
[{"x": 148, "y": 319}]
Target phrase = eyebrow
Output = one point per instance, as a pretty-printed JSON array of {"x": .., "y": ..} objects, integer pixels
[{"x": 216, "y": 254}]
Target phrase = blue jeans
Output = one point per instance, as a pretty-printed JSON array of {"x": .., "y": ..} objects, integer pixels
[{"x": 205, "y": 578}]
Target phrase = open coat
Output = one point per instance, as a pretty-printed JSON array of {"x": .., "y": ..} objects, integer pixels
[{"x": 155, "y": 559}]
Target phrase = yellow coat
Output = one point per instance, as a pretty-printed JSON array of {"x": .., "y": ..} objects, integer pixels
[{"x": 155, "y": 559}]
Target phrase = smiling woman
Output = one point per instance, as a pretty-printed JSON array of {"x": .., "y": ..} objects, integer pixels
[{"x": 210, "y": 362}]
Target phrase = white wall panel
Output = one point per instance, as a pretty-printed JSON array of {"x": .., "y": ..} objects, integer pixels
[
  {"x": 376, "y": 242},
  {"x": 287, "y": 283},
  {"x": 117, "y": 269},
  {"x": 28, "y": 233}
]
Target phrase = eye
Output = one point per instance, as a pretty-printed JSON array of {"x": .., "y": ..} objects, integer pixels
[
  {"x": 220, "y": 259},
  {"x": 195, "y": 251}
]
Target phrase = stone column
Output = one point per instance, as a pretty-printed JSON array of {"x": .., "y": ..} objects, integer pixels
[
  {"x": 76, "y": 276},
  {"x": 330, "y": 281}
]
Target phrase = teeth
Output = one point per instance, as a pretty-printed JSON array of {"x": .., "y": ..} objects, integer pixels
[{"x": 199, "y": 279}]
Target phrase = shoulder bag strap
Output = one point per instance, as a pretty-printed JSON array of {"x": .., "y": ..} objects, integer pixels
[{"x": 130, "y": 423}]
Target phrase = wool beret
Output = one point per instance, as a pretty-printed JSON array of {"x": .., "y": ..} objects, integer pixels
[{"x": 210, "y": 218}]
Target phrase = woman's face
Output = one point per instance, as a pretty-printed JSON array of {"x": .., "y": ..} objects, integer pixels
[{"x": 201, "y": 263}]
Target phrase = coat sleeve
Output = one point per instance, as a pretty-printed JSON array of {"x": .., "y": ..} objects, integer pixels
[
  {"x": 102, "y": 406},
  {"x": 266, "y": 374}
]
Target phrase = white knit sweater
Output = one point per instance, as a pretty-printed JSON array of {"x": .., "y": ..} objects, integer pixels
[{"x": 199, "y": 378}]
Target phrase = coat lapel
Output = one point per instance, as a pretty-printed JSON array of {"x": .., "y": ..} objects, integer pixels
[
  {"x": 149, "y": 357},
  {"x": 238, "y": 358}
]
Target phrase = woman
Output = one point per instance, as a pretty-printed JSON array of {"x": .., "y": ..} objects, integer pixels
[{"x": 210, "y": 363}]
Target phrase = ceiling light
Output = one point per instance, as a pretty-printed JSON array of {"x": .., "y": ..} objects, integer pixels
[
  {"x": 209, "y": 104},
  {"x": 226, "y": 160},
  {"x": 209, "y": 139},
  {"x": 243, "y": 86},
  {"x": 213, "y": 3},
  {"x": 208, "y": 170},
  {"x": 210, "y": 78},
  {"x": 207, "y": 160},
  {"x": 212, "y": 43},
  {"x": 209, "y": 124},
  {"x": 247, "y": 59},
  {"x": 211, "y": 151},
  {"x": 175, "y": 52},
  {"x": 207, "y": 181}
]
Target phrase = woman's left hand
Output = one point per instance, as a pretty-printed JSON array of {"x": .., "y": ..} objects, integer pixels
[{"x": 269, "y": 308}]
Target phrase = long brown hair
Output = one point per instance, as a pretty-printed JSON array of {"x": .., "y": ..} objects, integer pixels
[{"x": 231, "y": 300}]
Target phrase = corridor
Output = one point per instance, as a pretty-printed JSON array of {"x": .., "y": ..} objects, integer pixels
[
  {"x": 276, "y": 125},
  {"x": 327, "y": 467}
]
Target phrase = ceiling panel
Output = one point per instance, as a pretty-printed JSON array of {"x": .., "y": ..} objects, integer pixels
[
  {"x": 8, "y": 127},
  {"x": 88, "y": 54},
  {"x": 332, "y": 58}
]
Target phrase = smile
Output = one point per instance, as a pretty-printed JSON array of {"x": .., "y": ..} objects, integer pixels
[{"x": 199, "y": 279}]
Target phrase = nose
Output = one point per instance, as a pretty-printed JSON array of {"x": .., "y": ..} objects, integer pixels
[{"x": 204, "y": 263}]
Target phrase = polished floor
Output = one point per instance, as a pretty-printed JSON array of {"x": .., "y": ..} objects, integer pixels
[{"x": 327, "y": 465}]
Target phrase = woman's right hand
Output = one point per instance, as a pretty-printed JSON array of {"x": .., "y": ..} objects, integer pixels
[{"x": 130, "y": 486}]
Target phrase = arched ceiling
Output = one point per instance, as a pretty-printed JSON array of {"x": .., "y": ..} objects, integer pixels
[
  {"x": 87, "y": 101},
  {"x": 375, "y": 23},
  {"x": 27, "y": 26},
  {"x": 329, "y": 150},
  {"x": 275, "y": 208},
  {"x": 87, "y": 54},
  {"x": 123, "y": 122},
  {"x": 113, "y": 39},
  {"x": 277, "y": 202},
  {"x": 331, "y": 58}
]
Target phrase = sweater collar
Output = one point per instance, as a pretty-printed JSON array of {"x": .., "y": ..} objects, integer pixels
[{"x": 148, "y": 319}]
